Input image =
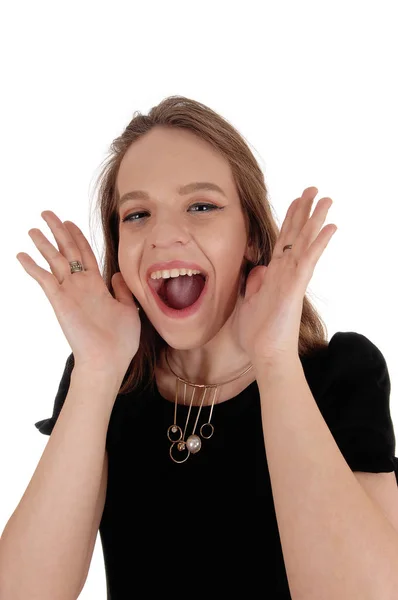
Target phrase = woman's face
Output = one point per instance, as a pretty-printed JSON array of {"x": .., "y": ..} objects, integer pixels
[{"x": 159, "y": 164}]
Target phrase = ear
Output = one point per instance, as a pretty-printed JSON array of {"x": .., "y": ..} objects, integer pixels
[{"x": 251, "y": 252}]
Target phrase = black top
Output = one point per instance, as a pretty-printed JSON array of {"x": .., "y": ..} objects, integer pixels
[{"x": 195, "y": 528}]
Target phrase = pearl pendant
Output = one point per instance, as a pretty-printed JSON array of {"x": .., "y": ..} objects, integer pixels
[{"x": 194, "y": 443}]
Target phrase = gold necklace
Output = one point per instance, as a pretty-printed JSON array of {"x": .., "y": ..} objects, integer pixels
[{"x": 175, "y": 434}]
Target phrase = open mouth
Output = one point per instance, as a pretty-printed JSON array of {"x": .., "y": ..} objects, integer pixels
[{"x": 179, "y": 294}]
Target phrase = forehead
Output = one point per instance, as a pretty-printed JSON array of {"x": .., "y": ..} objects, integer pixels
[{"x": 172, "y": 157}]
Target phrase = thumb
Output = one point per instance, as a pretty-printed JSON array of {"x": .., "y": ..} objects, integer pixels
[
  {"x": 121, "y": 289},
  {"x": 255, "y": 280}
]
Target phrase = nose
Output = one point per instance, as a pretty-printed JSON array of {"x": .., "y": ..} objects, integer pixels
[{"x": 166, "y": 231}]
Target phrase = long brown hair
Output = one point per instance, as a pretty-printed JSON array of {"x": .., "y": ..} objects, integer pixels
[{"x": 182, "y": 112}]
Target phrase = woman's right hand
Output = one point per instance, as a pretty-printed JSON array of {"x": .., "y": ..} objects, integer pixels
[{"x": 103, "y": 332}]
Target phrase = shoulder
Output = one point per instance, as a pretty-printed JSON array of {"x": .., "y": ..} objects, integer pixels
[
  {"x": 354, "y": 360},
  {"x": 356, "y": 402},
  {"x": 353, "y": 383},
  {"x": 350, "y": 381},
  {"x": 348, "y": 357},
  {"x": 354, "y": 347}
]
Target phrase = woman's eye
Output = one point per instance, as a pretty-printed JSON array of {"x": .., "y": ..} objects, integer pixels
[
  {"x": 132, "y": 217},
  {"x": 209, "y": 207},
  {"x": 137, "y": 215}
]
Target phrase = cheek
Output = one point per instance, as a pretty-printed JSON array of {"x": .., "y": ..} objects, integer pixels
[
  {"x": 128, "y": 258},
  {"x": 228, "y": 271}
]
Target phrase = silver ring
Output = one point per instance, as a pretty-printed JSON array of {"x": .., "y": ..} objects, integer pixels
[
  {"x": 288, "y": 247},
  {"x": 76, "y": 266}
]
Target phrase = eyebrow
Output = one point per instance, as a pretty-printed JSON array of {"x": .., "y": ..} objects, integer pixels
[{"x": 182, "y": 190}]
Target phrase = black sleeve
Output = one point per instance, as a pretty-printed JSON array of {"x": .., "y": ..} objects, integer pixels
[
  {"x": 47, "y": 425},
  {"x": 113, "y": 435},
  {"x": 358, "y": 404}
]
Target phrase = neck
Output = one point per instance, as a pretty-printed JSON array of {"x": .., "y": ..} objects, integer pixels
[{"x": 202, "y": 371}]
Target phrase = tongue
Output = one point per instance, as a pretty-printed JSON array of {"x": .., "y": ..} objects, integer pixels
[{"x": 182, "y": 291}]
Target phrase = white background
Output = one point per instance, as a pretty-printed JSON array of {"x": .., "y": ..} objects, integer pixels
[{"x": 311, "y": 85}]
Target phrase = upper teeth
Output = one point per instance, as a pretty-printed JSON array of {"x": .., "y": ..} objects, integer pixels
[{"x": 165, "y": 274}]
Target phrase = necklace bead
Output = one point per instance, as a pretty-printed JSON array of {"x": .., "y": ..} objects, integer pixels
[{"x": 194, "y": 443}]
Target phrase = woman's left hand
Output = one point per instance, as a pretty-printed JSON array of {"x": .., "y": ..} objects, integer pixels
[{"x": 268, "y": 318}]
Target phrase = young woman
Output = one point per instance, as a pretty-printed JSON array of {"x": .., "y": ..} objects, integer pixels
[{"x": 215, "y": 438}]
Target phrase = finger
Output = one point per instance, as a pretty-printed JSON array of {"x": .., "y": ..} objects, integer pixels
[
  {"x": 68, "y": 250},
  {"x": 47, "y": 281},
  {"x": 296, "y": 217},
  {"x": 311, "y": 229},
  {"x": 58, "y": 263},
  {"x": 87, "y": 255},
  {"x": 285, "y": 226},
  {"x": 315, "y": 251},
  {"x": 303, "y": 213}
]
